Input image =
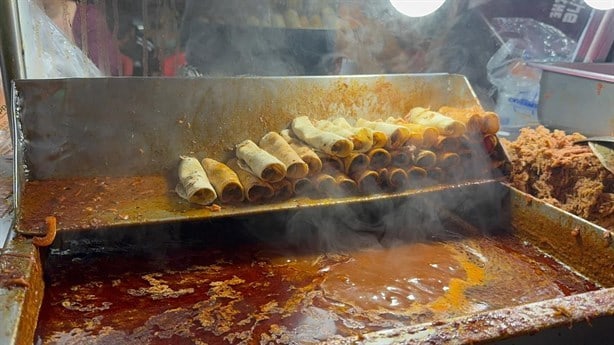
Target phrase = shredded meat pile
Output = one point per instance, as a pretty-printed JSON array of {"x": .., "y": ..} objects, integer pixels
[{"x": 547, "y": 165}]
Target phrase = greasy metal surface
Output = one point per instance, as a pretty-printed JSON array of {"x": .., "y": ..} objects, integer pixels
[
  {"x": 589, "y": 250},
  {"x": 103, "y": 152},
  {"x": 140, "y": 126},
  {"x": 84, "y": 204},
  {"x": 21, "y": 291},
  {"x": 586, "y": 247},
  {"x": 506, "y": 323},
  {"x": 185, "y": 287},
  {"x": 244, "y": 291}
]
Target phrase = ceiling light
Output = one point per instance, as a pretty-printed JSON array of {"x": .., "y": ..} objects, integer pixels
[
  {"x": 418, "y": 8},
  {"x": 600, "y": 4}
]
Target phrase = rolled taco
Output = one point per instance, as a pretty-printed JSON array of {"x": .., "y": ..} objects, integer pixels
[
  {"x": 490, "y": 143},
  {"x": 355, "y": 162},
  {"x": 429, "y": 136},
  {"x": 260, "y": 162},
  {"x": 397, "y": 135},
  {"x": 283, "y": 189},
  {"x": 395, "y": 178},
  {"x": 276, "y": 145},
  {"x": 448, "y": 160},
  {"x": 361, "y": 138},
  {"x": 302, "y": 186},
  {"x": 379, "y": 158},
  {"x": 304, "y": 151},
  {"x": 471, "y": 117},
  {"x": 344, "y": 185},
  {"x": 490, "y": 123},
  {"x": 475, "y": 119},
  {"x": 330, "y": 143},
  {"x": 416, "y": 137},
  {"x": 425, "y": 159},
  {"x": 367, "y": 181},
  {"x": 225, "y": 181},
  {"x": 378, "y": 138},
  {"x": 402, "y": 157},
  {"x": 447, "y": 143},
  {"x": 331, "y": 162},
  {"x": 194, "y": 185},
  {"x": 429, "y": 133},
  {"x": 324, "y": 183},
  {"x": 255, "y": 189},
  {"x": 446, "y": 126},
  {"x": 415, "y": 173}
]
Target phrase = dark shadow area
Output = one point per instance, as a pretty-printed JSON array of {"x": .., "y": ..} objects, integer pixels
[{"x": 473, "y": 210}]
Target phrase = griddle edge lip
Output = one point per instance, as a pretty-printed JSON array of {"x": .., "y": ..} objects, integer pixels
[
  {"x": 489, "y": 326},
  {"x": 288, "y": 205}
]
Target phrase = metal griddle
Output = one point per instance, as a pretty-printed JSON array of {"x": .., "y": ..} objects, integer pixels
[
  {"x": 114, "y": 144},
  {"x": 130, "y": 261},
  {"x": 99, "y": 153}
]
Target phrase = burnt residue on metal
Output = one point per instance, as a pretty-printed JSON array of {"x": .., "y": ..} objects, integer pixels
[
  {"x": 245, "y": 289},
  {"x": 573, "y": 240},
  {"x": 500, "y": 324},
  {"x": 93, "y": 203},
  {"x": 94, "y": 165},
  {"x": 21, "y": 291},
  {"x": 140, "y": 126},
  {"x": 96, "y": 202}
]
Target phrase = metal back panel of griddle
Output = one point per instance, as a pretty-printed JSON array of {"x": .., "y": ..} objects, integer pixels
[{"x": 125, "y": 136}]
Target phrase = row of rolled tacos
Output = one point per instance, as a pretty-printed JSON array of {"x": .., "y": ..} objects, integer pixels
[{"x": 338, "y": 157}]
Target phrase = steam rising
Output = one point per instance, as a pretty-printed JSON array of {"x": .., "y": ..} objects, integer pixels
[
  {"x": 419, "y": 217},
  {"x": 384, "y": 224},
  {"x": 268, "y": 37},
  {"x": 431, "y": 215}
]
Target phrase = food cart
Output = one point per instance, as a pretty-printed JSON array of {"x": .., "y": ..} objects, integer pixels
[{"x": 103, "y": 249}]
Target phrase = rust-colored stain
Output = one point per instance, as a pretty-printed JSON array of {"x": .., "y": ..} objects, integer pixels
[
  {"x": 147, "y": 195},
  {"x": 589, "y": 251},
  {"x": 92, "y": 203},
  {"x": 261, "y": 294},
  {"x": 277, "y": 107},
  {"x": 99, "y": 202},
  {"x": 599, "y": 87},
  {"x": 21, "y": 284},
  {"x": 211, "y": 120}
]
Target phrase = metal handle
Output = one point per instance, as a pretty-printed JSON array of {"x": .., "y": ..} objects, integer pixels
[
  {"x": 604, "y": 139},
  {"x": 11, "y": 53}
]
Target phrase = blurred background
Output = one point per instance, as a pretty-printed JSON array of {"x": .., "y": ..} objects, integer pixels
[{"x": 492, "y": 42}]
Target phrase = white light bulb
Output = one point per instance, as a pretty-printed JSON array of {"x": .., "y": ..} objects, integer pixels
[
  {"x": 417, "y": 8},
  {"x": 600, "y": 4}
]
